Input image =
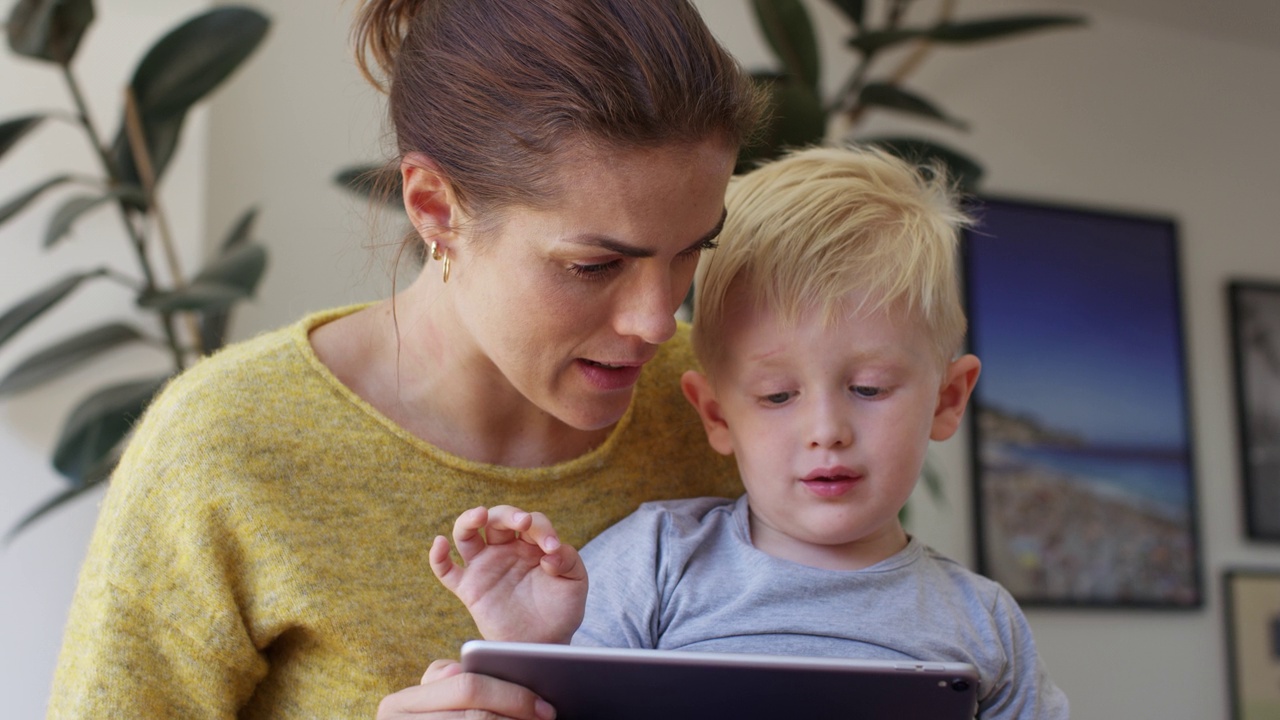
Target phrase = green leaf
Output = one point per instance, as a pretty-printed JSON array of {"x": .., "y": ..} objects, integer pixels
[
  {"x": 180, "y": 70},
  {"x": 98, "y": 424},
  {"x": 11, "y": 131},
  {"x": 796, "y": 119},
  {"x": 214, "y": 325},
  {"x": 64, "y": 356},
  {"x": 870, "y": 43},
  {"x": 961, "y": 33},
  {"x": 981, "y": 30},
  {"x": 893, "y": 97},
  {"x": 162, "y": 135},
  {"x": 92, "y": 480},
  {"x": 199, "y": 297},
  {"x": 962, "y": 170},
  {"x": 35, "y": 305},
  {"x": 241, "y": 231},
  {"x": 194, "y": 58},
  {"x": 49, "y": 29},
  {"x": 789, "y": 32},
  {"x": 16, "y": 205},
  {"x": 381, "y": 182},
  {"x": 240, "y": 267},
  {"x": 855, "y": 10},
  {"x": 74, "y": 207}
]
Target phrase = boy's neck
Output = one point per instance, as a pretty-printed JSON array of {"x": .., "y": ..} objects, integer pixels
[{"x": 861, "y": 553}]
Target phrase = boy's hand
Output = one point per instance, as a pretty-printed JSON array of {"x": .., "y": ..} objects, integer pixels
[{"x": 519, "y": 582}]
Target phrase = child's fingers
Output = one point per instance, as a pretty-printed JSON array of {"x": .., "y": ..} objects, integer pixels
[
  {"x": 566, "y": 563},
  {"x": 540, "y": 532},
  {"x": 505, "y": 522},
  {"x": 442, "y": 564},
  {"x": 466, "y": 532}
]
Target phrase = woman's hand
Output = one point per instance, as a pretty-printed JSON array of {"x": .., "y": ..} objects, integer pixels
[
  {"x": 447, "y": 692},
  {"x": 519, "y": 582}
]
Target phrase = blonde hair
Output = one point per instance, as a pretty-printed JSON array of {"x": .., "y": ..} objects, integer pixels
[{"x": 809, "y": 228}]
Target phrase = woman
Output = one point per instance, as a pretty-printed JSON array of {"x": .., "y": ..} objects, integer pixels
[{"x": 262, "y": 551}]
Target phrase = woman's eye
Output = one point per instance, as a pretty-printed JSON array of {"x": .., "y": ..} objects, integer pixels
[
  {"x": 866, "y": 391},
  {"x": 594, "y": 270},
  {"x": 697, "y": 249}
]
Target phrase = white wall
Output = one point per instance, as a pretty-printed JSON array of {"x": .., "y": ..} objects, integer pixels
[{"x": 1122, "y": 115}]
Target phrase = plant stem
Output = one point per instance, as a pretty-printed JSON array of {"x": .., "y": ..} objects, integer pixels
[
  {"x": 139, "y": 243},
  {"x": 146, "y": 173}
]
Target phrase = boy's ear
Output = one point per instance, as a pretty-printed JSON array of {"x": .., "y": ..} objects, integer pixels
[
  {"x": 429, "y": 199},
  {"x": 699, "y": 393},
  {"x": 957, "y": 385}
]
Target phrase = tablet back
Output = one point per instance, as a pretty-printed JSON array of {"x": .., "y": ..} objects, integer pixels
[{"x": 617, "y": 684}]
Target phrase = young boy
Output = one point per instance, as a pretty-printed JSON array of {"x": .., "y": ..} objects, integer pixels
[{"x": 829, "y": 326}]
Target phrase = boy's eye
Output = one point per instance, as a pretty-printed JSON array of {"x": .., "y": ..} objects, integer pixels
[
  {"x": 865, "y": 391},
  {"x": 776, "y": 398}
]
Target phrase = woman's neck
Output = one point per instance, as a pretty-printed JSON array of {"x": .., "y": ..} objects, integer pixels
[{"x": 410, "y": 362}]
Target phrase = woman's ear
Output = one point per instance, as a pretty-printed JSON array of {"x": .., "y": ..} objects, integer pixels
[
  {"x": 429, "y": 198},
  {"x": 960, "y": 376},
  {"x": 699, "y": 393}
]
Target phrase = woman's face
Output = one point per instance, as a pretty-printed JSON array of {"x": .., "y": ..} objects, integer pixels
[{"x": 565, "y": 304}]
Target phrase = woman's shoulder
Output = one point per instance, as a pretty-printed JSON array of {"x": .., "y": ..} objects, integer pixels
[{"x": 244, "y": 383}]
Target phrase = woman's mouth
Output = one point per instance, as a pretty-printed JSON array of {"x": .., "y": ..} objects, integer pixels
[{"x": 606, "y": 376}]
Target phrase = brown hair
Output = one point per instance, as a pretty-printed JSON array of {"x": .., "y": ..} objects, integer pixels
[{"x": 492, "y": 90}]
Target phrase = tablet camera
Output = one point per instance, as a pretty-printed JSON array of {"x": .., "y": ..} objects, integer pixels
[{"x": 959, "y": 685}]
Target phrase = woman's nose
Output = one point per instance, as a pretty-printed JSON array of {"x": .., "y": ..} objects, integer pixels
[{"x": 647, "y": 309}]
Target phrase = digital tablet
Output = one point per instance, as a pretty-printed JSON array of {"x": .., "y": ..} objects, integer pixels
[{"x": 585, "y": 683}]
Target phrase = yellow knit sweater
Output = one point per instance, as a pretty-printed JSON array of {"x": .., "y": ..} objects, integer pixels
[{"x": 262, "y": 549}]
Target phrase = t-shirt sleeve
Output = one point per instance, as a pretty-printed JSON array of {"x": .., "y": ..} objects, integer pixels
[
  {"x": 1023, "y": 691},
  {"x": 624, "y": 567}
]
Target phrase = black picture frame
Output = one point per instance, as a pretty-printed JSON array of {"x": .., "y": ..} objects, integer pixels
[
  {"x": 1251, "y": 609},
  {"x": 1083, "y": 472},
  {"x": 1255, "y": 342}
]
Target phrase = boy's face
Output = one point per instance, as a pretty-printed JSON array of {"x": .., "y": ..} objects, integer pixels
[{"x": 830, "y": 424}]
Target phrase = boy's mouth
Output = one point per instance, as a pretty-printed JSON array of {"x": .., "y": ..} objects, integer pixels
[{"x": 830, "y": 482}]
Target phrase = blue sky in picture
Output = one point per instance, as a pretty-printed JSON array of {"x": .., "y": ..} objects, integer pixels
[{"x": 1075, "y": 316}]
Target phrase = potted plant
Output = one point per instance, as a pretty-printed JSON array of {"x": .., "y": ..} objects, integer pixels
[{"x": 185, "y": 316}]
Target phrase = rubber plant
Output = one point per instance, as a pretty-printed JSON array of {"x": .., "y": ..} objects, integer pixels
[
  {"x": 183, "y": 316},
  {"x": 887, "y": 50}
]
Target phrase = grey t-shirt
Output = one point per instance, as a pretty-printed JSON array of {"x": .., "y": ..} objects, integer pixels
[{"x": 683, "y": 575}]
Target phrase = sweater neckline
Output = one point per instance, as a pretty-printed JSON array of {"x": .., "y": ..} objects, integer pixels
[{"x": 592, "y": 460}]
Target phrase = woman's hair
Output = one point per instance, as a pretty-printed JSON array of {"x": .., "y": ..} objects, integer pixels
[
  {"x": 810, "y": 228},
  {"x": 495, "y": 92}
]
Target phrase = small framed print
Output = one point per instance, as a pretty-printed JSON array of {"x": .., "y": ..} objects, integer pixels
[
  {"x": 1252, "y": 600},
  {"x": 1255, "y": 335},
  {"x": 1083, "y": 471}
]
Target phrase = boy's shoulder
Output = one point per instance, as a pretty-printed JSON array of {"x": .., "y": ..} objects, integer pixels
[
  {"x": 972, "y": 586},
  {"x": 669, "y": 523},
  {"x": 687, "y": 512}
]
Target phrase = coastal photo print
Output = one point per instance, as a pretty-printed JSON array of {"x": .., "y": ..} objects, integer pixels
[
  {"x": 1255, "y": 333},
  {"x": 1252, "y": 599},
  {"x": 1084, "y": 492}
]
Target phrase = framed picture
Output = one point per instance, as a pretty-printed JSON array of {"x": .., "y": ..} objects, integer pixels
[
  {"x": 1252, "y": 599},
  {"x": 1084, "y": 492},
  {"x": 1255, "y": 335}
]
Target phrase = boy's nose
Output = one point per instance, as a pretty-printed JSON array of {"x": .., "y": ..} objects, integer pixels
[{"x": 831, "y": 426}]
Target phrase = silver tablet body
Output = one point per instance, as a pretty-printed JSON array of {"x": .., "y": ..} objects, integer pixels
[{"x": 622, "y": 684}]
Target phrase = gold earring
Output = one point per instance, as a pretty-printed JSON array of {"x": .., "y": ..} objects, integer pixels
[{"x": 437, "y": 254}]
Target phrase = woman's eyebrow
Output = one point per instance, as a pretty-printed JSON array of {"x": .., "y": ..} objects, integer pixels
[{"x": 632, "y": 251}]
